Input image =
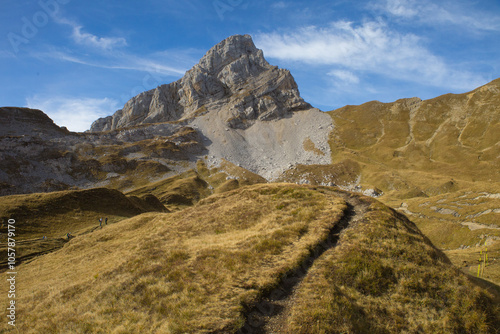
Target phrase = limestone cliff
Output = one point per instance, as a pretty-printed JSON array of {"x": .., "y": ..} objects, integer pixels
[{"x": 232, "y": 78}]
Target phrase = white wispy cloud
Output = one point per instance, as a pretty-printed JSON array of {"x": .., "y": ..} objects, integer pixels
[
  {"x": 370, "y": 47},
  {"x": 458, "y": 13},
  {"x": 77, "y": 114},
  {"x": 119, "y": 61},
  {"x": 105, "y": 43},
  {"x": 279, "y": 5},
  {"x": 400, "y": 8},
  {"x": 153, "y": 64},
  {"x": 109, "y": 53},
  {"x": 83, "y": 38},
  {"x": 345, "y": 76}
]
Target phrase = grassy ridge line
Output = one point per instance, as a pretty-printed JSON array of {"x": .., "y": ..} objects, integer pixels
[
  {"x": 386, "y": 277},
  {"x": 269, "y": 314},
  {"x": 191, "y": 271},
  {"x": 186, "y": 189}
]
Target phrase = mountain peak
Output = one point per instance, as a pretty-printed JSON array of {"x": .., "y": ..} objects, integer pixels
[
  {"x": 232, "y": 78},
  {"x": 229, "y": 50}
]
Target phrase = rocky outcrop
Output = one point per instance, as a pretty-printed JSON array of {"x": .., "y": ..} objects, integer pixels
[
  {"x": 24, "y": 121},
  {"x": 242, "y": 109},
  {"x": 36, "y": 155},
  {"x": 232, "y": 78}
]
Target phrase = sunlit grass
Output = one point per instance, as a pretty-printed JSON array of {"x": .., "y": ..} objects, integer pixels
[
  {"x": 385, "y": 277},
  {"x": 191, "y": 271}
]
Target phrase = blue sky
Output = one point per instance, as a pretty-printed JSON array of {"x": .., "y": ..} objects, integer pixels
[{"x": 79, "y": 60}]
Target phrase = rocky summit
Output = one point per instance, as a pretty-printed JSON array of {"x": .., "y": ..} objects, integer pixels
[{"x": 233, "y": 78}]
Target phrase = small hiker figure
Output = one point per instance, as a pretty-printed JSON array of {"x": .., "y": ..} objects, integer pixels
[
  {"x": 106, "y": 220},
  {"x": 69, "y": 236},
  {"x": 100, "y": 222}
]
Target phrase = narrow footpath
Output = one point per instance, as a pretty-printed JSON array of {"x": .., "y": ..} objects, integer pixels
[{"x": 270, "y": 314}]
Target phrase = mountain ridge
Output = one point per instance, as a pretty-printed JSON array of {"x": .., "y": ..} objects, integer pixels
[{"x": 17, "y": 121}]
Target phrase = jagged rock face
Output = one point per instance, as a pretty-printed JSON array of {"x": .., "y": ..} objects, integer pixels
[
  {"x": 232, "y": 78},
  {"x": 230, "y": 98}
]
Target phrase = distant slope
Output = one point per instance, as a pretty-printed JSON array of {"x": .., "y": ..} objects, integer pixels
[
  {"x": 43, "y": 220},
  {"x": 55, "y": 214},
  {"x": 204, "y": 269},
  {"x": 437, "y": 161},
  {"x": 450, "y": 136},
  {"x": 186, "y": 189},
  {"x": 25, "y": 121},
  {"x": 42, "y": 157}
]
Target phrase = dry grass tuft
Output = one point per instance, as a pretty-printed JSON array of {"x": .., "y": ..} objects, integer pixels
[{"x": 309, "y": 146}]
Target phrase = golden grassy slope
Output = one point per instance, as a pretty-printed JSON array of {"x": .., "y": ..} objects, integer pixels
[
  {"x": 180, "y": 190},
  {"x": 53, "y": 215},
  {"x": 431, "y": 155},
  {"x": 188, "y": 188},
  {"x": 385, "y": 277},
  {"x": 198, "y": 270},
  {"x": 188, "y": 271},
  {"x": 462, "y": 223},
  {"x": 453, "y": 136}
]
